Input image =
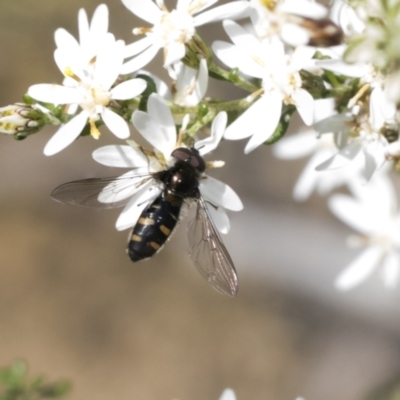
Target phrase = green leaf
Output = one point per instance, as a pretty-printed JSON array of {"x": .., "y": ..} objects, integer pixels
[
  {"x": 282, "y": 127},
  {"x": 150, "y": 88}
]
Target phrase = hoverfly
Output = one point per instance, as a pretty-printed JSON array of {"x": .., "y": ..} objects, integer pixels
[{"x": 179, "y": 184}]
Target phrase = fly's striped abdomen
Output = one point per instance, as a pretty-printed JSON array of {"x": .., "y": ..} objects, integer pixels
[{"x": 153, "y": 228}]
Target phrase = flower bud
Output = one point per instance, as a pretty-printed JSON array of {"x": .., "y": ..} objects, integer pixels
[
  {"x": 196, "y": 50},
  {"x": 20, "y": 119}
]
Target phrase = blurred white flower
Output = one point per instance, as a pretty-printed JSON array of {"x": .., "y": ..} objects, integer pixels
[
  {"x": 308, "y": 143},
  {"x": 158, "y": 128},
  {"x": 92, "y": 90},
  {"x": 228, "y": 394},
  {"x": 320, "y": 147},
  {"x": 172, "y": 29},
  {"x": 284, "y": 19},
  {"x": 281, "y": 83},
  {"x": 346, "y": 17},
  {"x": 361, "y": 128},
  {"x": 91, "y": 36},
  {"x": 374, "y": 213}
]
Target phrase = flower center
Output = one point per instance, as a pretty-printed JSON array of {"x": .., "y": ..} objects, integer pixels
[{"x": 174, "y": 26}]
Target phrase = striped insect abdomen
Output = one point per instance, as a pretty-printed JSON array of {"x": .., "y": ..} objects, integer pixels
[{"x": 153, "y": 228}]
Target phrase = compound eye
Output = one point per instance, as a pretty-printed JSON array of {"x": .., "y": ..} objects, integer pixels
[
  {"x": 182, "y": 154},
  {"x": 190, "y": 156}
]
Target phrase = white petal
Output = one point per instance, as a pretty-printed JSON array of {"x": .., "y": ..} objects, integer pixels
[
  {"x": 295, "y": 35},
  {"x": 140, "y": 61},
  {"x": 66, "y": 134},
  {"x": 131, "y": 213},
  {"x": 239, "y": 35},
  {"x": 359, "y": 270},
  {"x": 83, "y": 24},
  {"x": 272, "y": 116},
  {"x": 55, "y": 94},
  {"x": 159, "y": 135},
  {"x": 70, "y": 62},
  {"x": 237, "y": 9},
  {"x": 252, "y": 120},
  {"x": 144, "y": 9},
  {"x": 198, "y": 5},
  {"x": 137, "y": 47},
  {"x": 109, "y": 62},
  {"x": 340, "y": 67},
  {"x": 355, "y": 214},
  {"x": 296, "y": 146},
  {"x": 220, "y": 218},
  {"x": 115, "y": 123},
  {"x": 309, "y": 177},
  {"x": 390, "y": 270},
  {"x": 235, "y": 57},
  {"x": 66, "y": 41},
  {"x": 228, "y": 394},
  {"x": 174, "y": 52},
  {"x": 377, "y": 117},
  {"x": 220, "y": 194},
  {"x": 334, "y": 123},
  {"x": 217, "y": 130},
  {"x": 381, "y": 108},
  {"x": 128, "y": 89},
  {"x": 191, "y": 84},
  {"x": 304, "y": 8},
  {"x": 343, "y": 157},
  {"x": 304, "y": 103},
  {"x": 120, "y": 156},
  {"x": 99, "y": 24}
]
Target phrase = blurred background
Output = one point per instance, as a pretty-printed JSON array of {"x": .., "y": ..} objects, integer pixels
[{"x": 74, "y": 306}]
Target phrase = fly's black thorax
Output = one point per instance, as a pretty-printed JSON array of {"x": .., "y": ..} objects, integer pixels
[{"x": 181, "y": 181}]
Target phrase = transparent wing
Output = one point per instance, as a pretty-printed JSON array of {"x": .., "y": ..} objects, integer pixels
[
  {"x": 209, "y": 254},
  {"x": 101, "y": 192}
]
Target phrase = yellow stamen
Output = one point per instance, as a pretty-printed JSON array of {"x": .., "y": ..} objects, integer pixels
[
  {"x": 215, "y": 164},
  {"x": 68, "y": 72},
  {"x": 254, "y": 95},
  {"x": 141, "y": 31},
  {"x": 94, "y": 132},
  {"x": 358, "y": 95},
  {"x": 270, "y": 4}
]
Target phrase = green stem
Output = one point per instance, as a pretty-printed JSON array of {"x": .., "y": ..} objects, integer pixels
[
  {"x": 232, "y": 76},
  {"x": 201, "y": 122}
]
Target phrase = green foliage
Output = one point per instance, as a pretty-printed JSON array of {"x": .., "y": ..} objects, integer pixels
[
  {"x": 150, "y": 88},
  {"x": 16, "y": 385},
  {"x": 282, "y": 126}
]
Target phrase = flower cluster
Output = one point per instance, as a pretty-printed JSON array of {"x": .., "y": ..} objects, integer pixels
[{"x": 337, "y": 67}]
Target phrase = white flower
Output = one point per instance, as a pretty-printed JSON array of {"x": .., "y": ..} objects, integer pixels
[
  {"x": 281, "y": 82},
  {"x": 92, "y": 90},
  {"x": 361, "y": 129},
  {"x": 283, "y": 18},
  {"x": 320, "y": 148},
  {"x": 346, "y": 17},
  {"x": 374, "y": 214},
  {"x": 189, "y": 85},
  {"x": 172, "y": 29},
  {"x": 158, "y": 128},
  {"x": 228, "y": 394},
  {"x": 91, "y": 36}
]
